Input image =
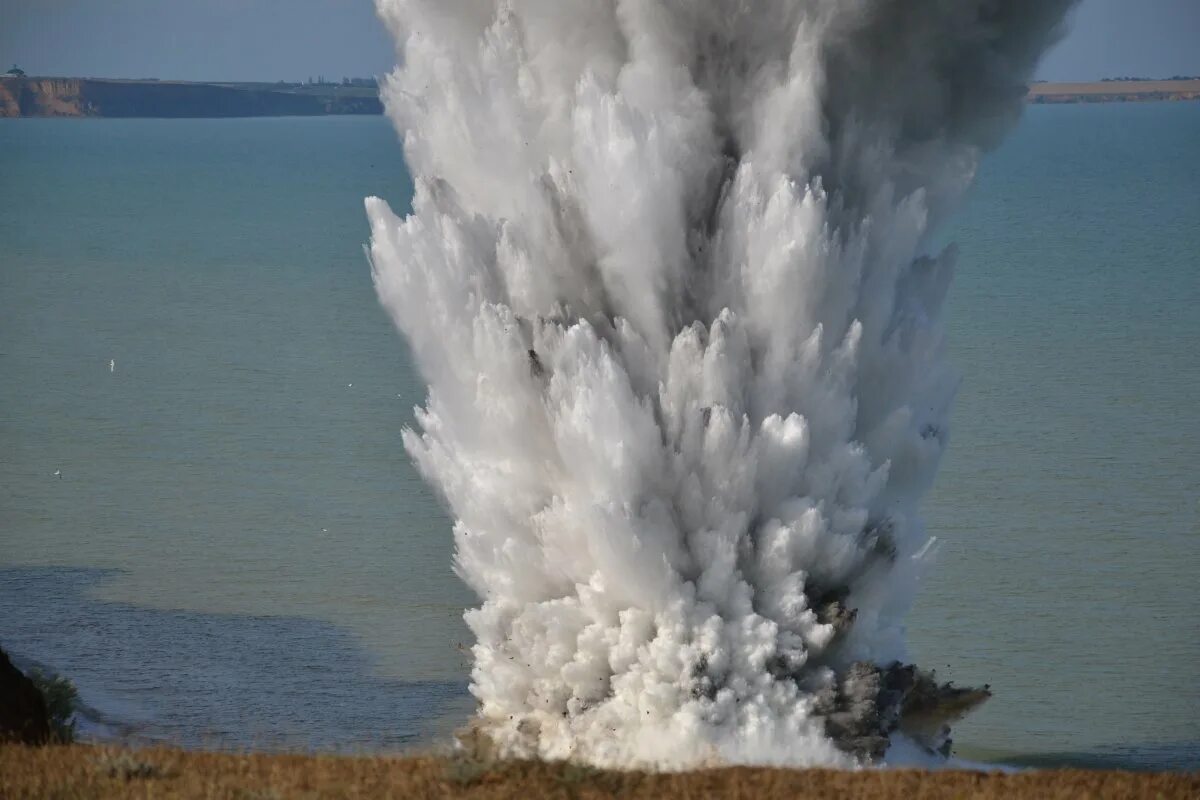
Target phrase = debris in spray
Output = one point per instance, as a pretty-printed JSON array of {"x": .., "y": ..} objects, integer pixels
[
  {"x": 872, "y": 703},
  {"x": 535, "y": 364}
]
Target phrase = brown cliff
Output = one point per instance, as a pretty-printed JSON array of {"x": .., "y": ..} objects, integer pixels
[{"x": 86, "y": 97}]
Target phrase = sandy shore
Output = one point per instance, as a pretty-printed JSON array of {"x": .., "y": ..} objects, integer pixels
[{"x": 97, "y": 772}]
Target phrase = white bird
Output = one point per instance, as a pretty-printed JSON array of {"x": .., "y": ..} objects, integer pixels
[{"x": 112, "y": 365}]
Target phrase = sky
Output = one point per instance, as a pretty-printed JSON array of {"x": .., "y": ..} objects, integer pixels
[{"x": 226, "y": 40}]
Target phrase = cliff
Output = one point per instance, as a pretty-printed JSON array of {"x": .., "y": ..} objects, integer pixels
[
  {"x": 1115, "y": 91},
  {"x": 85, "y": 97}
]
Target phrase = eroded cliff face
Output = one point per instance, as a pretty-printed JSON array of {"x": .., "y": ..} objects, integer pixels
[
  {"x": 42, "y": 97},
  {"x": 9, "y": 107},
  {"x": 81, "y": 97}
]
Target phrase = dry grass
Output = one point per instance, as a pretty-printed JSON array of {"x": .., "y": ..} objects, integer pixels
[{"x": 67, "y": 773}]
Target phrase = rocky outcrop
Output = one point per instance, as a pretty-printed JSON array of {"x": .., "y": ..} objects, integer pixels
[
  {"x": 83, "y": 97},
  {"x": 23, "y": 716}
]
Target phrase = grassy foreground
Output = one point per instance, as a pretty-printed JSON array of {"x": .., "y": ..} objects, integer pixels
[{"x": 72, "y": 772}]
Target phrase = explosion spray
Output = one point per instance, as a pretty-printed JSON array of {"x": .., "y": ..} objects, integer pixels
[{"x": 669, "y": 277}]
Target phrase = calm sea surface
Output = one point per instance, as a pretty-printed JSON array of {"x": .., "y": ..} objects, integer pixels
[{"x": 238, "y": 553}]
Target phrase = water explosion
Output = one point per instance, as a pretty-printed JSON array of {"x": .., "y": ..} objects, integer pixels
[{"x": 669, "y": 277}]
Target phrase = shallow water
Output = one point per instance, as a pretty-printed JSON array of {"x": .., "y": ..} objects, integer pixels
[
  {"x": 217, "y": 680},
  {"x": 238, "y": 552}
]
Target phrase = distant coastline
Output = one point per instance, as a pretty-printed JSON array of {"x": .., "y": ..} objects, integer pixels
[
  {"x": 1116, "y": 91},
  {"x": 25, "y": 96}
]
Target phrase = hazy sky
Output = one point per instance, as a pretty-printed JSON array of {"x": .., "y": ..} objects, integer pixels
[{"x": 295, "y": 39}]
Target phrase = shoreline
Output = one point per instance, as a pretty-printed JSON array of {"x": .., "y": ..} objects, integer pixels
[
  {"x": 85, "y": 771},
  {"x": 1115, "y": 91},
  {"x": 26, "y": 96}
]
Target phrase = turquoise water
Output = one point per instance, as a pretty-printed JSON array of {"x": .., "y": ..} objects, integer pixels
[
  {"x": 238, "y": 552},
  {"x": 1069, "y": 501}
]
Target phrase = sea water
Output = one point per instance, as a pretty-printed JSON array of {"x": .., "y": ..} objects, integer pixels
[{"x": 237, "y": 552}]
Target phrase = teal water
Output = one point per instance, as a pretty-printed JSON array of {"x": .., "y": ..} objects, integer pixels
[
  {"x": 1069, "y": 501},
  {"x": 239, "y": 553}
]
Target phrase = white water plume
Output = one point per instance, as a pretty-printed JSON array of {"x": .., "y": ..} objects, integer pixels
[{"x": 667, "y": 277}]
